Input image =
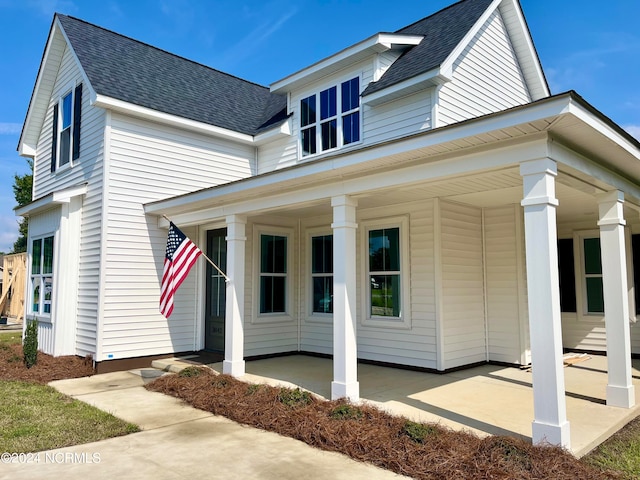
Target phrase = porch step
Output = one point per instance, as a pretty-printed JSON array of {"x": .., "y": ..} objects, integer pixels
[{"x": 175, "y": 364}]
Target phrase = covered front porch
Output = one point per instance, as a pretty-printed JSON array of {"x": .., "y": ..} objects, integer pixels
[
  {"x": 486, "y": 400},
  {"x": 469, "y": 218}
]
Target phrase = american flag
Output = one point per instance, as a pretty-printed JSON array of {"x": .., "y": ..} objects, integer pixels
[{"x": 181, "y": 254}]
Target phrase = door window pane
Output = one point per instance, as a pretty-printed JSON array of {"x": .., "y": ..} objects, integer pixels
[
  {"x": 47, "y": 266},
  {"x": 36, "y": 256}
]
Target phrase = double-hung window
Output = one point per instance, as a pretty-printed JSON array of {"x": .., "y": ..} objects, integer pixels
[
  {"x": 330, "y": 119},
  {"x": 41, "y": 275},
  {"x": 593, "y": 286},
  {"x": 385, "y": 298},
  {"x": 65, "y": 144},
  {"x": 322, "y": 273},
  {"x": 273, "y": 273}
]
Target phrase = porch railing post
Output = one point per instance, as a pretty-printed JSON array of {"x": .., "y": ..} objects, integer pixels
[
  {"x": 233, "y": 363},
  {"x": 345, "y": 355},
  {"x": 550, "y": 411},
  {"x": 620, "y": 391}
]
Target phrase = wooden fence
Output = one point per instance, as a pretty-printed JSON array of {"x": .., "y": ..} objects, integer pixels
[{"x": 13, "y": 286}]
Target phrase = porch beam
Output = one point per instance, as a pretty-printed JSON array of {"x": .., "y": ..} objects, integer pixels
[
  {"x": 345, "y": 355},
  {"x": 620, "y": 390},
  {"x": 550, "y": 411},
  {"x": 233, "y": 363}
]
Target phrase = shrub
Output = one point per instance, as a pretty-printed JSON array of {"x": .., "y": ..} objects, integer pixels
[
  {"x": 418, "y": 432},
  {"x": 30, "y": 344},
  {"x": 294, "y": 398},
  {"x": 346, "y": 412},
  {"x": 190, "y": 372}
]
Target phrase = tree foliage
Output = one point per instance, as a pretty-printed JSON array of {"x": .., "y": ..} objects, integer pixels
[{"x": 22, "y": 189}]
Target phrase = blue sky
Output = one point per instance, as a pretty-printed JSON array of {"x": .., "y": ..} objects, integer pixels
[{"x": 589, "y": 46}]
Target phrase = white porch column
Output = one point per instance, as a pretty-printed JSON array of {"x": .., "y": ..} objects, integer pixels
[
  {"x": 234, "y": 315},
  {"x": 550, "y": 411},
  {"x": 345, "y": 355},
  {"x": 620, "y": 391}
]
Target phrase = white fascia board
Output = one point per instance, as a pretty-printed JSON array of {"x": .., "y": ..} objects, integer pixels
[
  {"x": 28, "y": 142},
  {"x": 606, "y": 130},
  {"x": 375, "y": 44},
  {"x": 431, "y": 78},
  {"x": 56, "y": 198},
  {"x": 447, "y": 65},
  {"x": 284, "y": 130},
  {"x": 110, "y": 103},
  {"x": 540, "y": 86}
]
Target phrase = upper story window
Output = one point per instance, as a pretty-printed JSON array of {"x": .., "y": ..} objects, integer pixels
[
  {"x": 330, "y": 119},
  {"x": 65, "y": 144}
]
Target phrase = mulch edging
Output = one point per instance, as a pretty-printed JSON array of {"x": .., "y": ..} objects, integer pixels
[
  {"x": 46, "y": 370},
  {"x": 367, "y": 434}
]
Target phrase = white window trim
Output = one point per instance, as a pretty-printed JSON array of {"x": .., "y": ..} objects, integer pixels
[
  {"x": 326, "y": 318},
  {"x": 41, "y": 315},
  {"x": 581, "y": 284},
  {"x": 258, "y": 317},
  {"x": 404, "y": 321},
  {"x": 71, "y": 89},
  {"x": 339, "y": 114}
]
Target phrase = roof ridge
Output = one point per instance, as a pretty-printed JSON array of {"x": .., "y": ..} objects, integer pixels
[{"x": 57, "y": 14}]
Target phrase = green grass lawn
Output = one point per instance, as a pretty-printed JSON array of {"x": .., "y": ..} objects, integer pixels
[
  {"x": 36, "y": 417},
  {"x": 621, "y": 452}
]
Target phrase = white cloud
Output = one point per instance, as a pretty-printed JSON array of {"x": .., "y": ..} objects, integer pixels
[
  {"x": 634, "y": 130},
  {"x": 49, "y": 7},
  {"x": 10, "y": 128}
]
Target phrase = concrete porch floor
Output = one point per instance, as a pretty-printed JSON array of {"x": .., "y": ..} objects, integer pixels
[{"x": 486, "y": 400}]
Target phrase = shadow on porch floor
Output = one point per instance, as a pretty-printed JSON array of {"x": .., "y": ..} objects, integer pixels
[{"x": 487, "y": 399}]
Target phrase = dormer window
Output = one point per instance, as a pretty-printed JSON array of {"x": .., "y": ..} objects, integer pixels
[{"x": 324, "y": 126}]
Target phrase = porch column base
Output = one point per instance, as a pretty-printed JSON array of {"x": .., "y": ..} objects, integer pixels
[
  {"x": 235, "y": 368},
  {"x": 624, "y": 397},
  {"x": 559, "y": 435},
  {"x": 345, "y": 390}
]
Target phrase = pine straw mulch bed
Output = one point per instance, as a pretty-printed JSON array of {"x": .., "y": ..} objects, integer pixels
[
  {"x": 367, "y": 434},
  {"x": 47, "y": 368}
]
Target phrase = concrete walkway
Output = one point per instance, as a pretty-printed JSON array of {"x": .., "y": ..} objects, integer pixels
[{"x": 179, "y": 442}]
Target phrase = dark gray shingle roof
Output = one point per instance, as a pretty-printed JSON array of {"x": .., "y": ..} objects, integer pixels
[
  {"x": 442, "y": 32},
  {"x": 137, "y": 73}
]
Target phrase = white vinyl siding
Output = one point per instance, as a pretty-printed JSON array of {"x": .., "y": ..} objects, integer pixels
[
  {"x": 149, "y": 162},
  {"x": 486, "y": 77},
  {"x": 503, "y": 287},
  {"x": 462, "y": 309},
  {"x": 397, "y": 118},
  {"x": 280, "y": 336},
  {"x": 414, "y": 346},
  {"x": 87, "y": 169}
]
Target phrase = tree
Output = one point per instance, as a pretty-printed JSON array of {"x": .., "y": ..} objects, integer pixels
[{"x": 22, "y": 190}]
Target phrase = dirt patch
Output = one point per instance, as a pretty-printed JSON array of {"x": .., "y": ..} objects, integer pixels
[
  {"x": 368, "y": 434},
  {"x": 46, "y": 370}
]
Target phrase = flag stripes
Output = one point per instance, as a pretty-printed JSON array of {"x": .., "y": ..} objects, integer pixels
[{"x": 181, "y": 255}]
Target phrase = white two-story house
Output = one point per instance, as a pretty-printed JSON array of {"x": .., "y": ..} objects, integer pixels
[{"x": 416, "y": 199}]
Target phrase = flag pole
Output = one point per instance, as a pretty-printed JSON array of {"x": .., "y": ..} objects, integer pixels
[{"x": 226, "y": 279}]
